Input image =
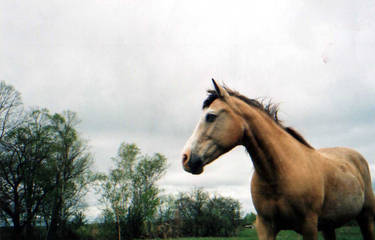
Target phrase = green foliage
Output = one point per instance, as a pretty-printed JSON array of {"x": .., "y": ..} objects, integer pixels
[
  {"x": 197, "y": 214},
  {"x": 44, "y": 167},
  {"x": 249, "y": 219},
  {"x": 205, "y": 216},
  {"x": 70, "y": 163},
  {"x": 129, "y": 191},
  {"x": 78, "y": 220}
]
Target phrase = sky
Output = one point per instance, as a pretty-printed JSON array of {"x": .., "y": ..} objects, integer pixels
[{"x": 137, "y": 71}]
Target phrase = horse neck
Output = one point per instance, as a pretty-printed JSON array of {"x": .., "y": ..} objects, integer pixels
[{"x": 269, "y": 146}]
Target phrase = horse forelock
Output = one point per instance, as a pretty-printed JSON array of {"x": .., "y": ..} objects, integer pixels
[{"x": 271, "y": 109}]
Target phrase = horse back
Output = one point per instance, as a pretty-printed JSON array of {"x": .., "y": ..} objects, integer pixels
[{"x": 341, "y": 154}]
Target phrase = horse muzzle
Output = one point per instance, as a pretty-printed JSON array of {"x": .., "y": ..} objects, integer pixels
[{"x": 192, "y": 163}]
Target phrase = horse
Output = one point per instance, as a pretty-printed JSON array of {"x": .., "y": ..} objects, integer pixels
[{"x": 294, "y": 186}]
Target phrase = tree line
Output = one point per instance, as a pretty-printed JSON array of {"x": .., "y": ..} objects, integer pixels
[
  {"x": 45, "y": 173},
  {"x": 134, "y": 207}
]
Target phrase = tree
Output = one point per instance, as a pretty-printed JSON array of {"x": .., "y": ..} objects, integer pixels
[
  {"x": 44, "y": 166},
  {"x": 145, "y": 193},
  {"x": 23, "y": 161},
  {"x": 223, "y": 216},
  {"x": 70, "y": 162},
  {"x": 10, "y": 116},
  {"x": 10, "y": 108},
  {"x": 167, "y": 223},
  {"x": 115, "y": 187},
  {"x": 202, "y": 215},
  {"x": 249, "y": 219},
  {"x": 192, "y": 210},
  {"x": 130, "y": 191}
]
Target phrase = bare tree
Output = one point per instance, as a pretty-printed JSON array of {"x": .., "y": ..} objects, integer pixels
[{"x": 10, "y": 108}]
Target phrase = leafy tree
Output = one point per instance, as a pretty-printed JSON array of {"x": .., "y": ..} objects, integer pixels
[
  {"x": 226, "y": 215},
  {"x": 192, "y": 210},
  {"x": 70, "y": 162},
  {"x": 115, "y": 187},
  {"x": 130, "y": 191},
  {"x": 202, "y": 215},
  {"x": 10, "y": 116},
  {"x": 44, "y": 166},
  {"x": 249, "y": 219},
  {"x": 23, "y": 163},
  {"x": 167, "y": 224},
  {"x": 78, "y": 220},
  {"x": 145, "y": 193}
]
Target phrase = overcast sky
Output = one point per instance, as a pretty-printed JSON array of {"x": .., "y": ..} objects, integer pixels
[{"x": 137, "y": 71}]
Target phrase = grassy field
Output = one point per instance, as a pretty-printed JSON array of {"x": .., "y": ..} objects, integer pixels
[{"x": 344, "y": 233}]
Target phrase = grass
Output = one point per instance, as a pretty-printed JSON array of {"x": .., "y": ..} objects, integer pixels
[{"x": 343, "y": 233}]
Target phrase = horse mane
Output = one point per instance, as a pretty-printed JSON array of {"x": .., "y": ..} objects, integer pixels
[{"x": 268, "y": 107}]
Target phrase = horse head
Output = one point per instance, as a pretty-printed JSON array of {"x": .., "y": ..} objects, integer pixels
[{"x": 219, "y": 130}]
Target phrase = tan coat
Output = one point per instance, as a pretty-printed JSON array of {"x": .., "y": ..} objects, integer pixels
[{"x": 294, "y": 186}]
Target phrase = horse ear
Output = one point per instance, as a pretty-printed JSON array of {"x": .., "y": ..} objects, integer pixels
[
  {"x": 220, "y": 90},
  {"x": 224, "y": 95}
]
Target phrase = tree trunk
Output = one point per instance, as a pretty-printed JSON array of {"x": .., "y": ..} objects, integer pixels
[
  {"x": 118, "y": 226},
  {"x": 17, "y": 228},
  {"x": 28, "y": 221},
  {"x": 52, "y": 231}
]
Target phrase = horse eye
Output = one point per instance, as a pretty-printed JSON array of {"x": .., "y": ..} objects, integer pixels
[{"x": 210, "y": 117}]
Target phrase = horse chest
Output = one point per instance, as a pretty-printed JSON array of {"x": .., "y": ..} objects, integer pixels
[
  {"x": 285, "y": 204},
  {"x": 277, "y": 207},
  {"x": 280, "y": 210}
]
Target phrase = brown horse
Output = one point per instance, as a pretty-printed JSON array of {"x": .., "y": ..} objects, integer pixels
[{"x": 294, "y": 186}]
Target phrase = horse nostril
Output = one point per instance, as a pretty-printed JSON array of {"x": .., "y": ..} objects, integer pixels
[
  {"x": 184, "y": 158},
  {"x": 195, "y": 162}
]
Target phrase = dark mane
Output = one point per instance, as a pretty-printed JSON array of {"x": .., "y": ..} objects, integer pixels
[{"x": 268, "y": 107}]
